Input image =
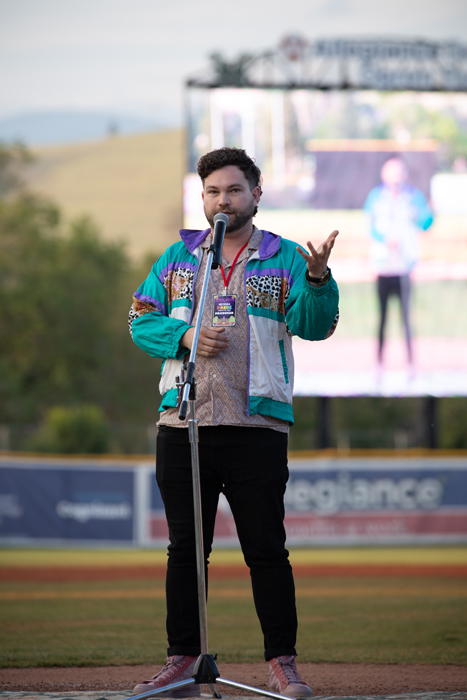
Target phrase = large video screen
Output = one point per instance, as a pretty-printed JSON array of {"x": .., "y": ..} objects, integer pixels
[{"x": 389, "y": 170}]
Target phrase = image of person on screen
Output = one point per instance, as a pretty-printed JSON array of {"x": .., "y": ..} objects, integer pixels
[
  {"x": 398, "y": 213},
  {"x": 272, "y": 289}
]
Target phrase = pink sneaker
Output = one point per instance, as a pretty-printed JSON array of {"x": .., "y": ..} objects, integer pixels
[
  {"x": 177, "y": 668},
  {"x": 284, "y": 678}
]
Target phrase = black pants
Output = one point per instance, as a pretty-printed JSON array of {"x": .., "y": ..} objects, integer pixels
[
  {"x": 249, "y": 465},
  {"x": 398, "y": 285}
]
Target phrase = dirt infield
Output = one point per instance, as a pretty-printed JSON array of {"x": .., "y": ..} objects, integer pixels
[
  {"x": 325, "y": 679},
  {"x": 62, "y": 574}
]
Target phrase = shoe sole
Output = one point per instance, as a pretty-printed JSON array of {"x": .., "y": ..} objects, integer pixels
[{"x": 293, "y": 692}]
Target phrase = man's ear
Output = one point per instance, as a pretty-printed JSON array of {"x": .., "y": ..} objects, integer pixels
[{"x": 256, "y": 192}]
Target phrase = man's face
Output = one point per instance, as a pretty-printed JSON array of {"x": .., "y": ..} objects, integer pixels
[
  {"x": 227, "y": 190},
  {"x": 394, "y": 172}
]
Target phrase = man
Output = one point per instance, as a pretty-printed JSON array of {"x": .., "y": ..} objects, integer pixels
[
  {"x": 397, "y": 214},
  {"x": 244, "y": 372}
]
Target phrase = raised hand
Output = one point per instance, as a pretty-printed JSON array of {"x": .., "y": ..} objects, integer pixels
[{"x": 317, "y": 260}]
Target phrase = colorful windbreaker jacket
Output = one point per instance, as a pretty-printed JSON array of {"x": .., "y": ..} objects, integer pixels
[{"x": 280, "y": 304}]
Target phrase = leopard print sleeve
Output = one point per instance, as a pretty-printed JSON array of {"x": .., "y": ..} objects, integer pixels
[{"x": 137, "y": 309}]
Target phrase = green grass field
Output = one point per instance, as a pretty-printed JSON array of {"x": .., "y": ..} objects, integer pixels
[{"x": 364, "y": 619}]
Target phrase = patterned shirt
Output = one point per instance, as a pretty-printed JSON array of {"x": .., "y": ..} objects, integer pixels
[{"x": 222, "y": 380}]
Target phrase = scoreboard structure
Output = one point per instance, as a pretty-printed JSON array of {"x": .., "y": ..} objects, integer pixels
[{"x": 321, "y": 119}]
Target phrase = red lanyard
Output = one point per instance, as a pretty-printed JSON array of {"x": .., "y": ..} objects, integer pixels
[{"x": 227, "y": 280}]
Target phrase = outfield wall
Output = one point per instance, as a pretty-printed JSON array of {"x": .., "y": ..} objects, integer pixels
[{"x": 57, "y": 501}]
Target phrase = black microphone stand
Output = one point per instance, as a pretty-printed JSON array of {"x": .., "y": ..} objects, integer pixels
[{"x": 205, "y": 670}]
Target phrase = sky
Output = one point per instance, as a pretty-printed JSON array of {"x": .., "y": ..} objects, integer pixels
[{"x": 133, "y": 56}]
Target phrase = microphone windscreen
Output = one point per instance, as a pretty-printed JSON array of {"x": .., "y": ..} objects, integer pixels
[{"x": 221, "y": 217}]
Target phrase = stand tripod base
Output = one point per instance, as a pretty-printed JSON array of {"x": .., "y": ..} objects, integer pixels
[{"x": 206, "y": 671}]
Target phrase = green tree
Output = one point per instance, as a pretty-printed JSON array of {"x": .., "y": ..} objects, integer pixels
[
  {"x": 64, "y": 299},
  {"x": 437, "y": 124},
  {"x": 75, "y": 430},
  {"x": 13, "y": 159},
  {"x": 453, "y": 423}
]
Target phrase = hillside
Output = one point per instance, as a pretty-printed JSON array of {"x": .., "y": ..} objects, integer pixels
[{"x": 130, "y": 185}]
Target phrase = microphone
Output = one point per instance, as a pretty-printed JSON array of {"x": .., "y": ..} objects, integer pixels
[{"x": 220, "y": 224}]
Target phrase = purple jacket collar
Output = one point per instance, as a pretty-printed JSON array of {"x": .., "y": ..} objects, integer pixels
[{"x": 269, "y": 245}]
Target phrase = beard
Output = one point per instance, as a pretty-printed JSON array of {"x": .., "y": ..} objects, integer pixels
[{"x": 237, "y": 219}]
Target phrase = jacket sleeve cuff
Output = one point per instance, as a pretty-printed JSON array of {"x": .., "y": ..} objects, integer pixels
[
  {"x": 179, "y": 349},
  {"x": 316, "y": 291}
]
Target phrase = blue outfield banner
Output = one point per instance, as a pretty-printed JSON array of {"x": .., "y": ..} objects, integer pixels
[
  {"x": 59, "y": 500},
  {"x": 329, "y": 501},
  {"x": 377, "y": 501}
]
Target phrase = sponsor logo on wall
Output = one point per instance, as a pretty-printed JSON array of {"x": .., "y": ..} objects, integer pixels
[
  {"x": 83, "y": 512},
  {"x": 345, "y": 492}
]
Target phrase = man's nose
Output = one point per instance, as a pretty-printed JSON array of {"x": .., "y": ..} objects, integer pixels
[{"x": 224, "y": 197}]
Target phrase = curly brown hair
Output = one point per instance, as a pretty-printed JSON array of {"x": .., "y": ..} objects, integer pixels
[{"x": 221, "y": 157}]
